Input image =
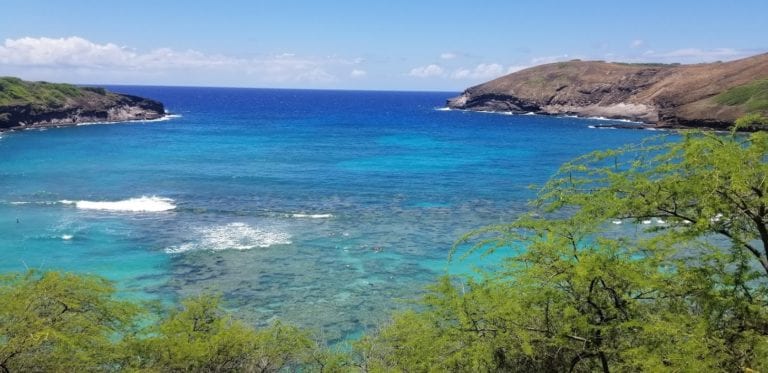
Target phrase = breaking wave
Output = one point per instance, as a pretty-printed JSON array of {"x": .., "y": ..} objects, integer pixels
[
  {"x": 312, "y": 216},
  {"x": 140, "y": 204}
]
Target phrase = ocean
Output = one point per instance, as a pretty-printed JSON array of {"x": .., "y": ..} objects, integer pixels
[{"x": 325, "y": 209}]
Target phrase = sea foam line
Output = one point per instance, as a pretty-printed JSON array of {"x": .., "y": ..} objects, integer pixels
[
  {"x": 512, "y": 113},
  {"x": 164, "y": 118},
  {"x": 312, "y": 216},
  {"x": 140, "y": 204}
]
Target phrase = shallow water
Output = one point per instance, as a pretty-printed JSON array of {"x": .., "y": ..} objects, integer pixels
[{"x": 321, "y": 208}]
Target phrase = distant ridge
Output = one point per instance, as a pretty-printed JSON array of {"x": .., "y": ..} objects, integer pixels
[
  {"x": 711, "y": 95},
  {"x": 25, "y": 104}
]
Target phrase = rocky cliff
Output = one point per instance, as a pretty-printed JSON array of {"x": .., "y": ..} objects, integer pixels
[
  {"x": 702, "y": 95},
  {"x": 39, "y": 104}
]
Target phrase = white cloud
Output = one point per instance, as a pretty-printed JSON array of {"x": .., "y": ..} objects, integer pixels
[
  {"x": 481, "y": 71},
  {"x": 356, "y": 73},
  {"x": 549, "y": 59},
  {"x": 703, "y": 54},
  {"x": 77, "y": 56},
  {"x": 637, "y": 43},
  {"x": 73, "y": 51},
  {"x": 316, "y": 75},
  {"x": 691, "y": 55},
  {"x": 78, "y": 52},
  {"x": 427, "y": 71},
  {"x": 448, "y": 56},
  {"x": 516, "y": 68}
]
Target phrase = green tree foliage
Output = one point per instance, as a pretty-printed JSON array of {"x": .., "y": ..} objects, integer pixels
[
  {"x": 701, "y": 186},
  {"x": 59, "y": 322},
  {"x": 711, "y": 191},
  {"x": 566, "y": 303},
  {"x": 201, "y": 337},
  {"x": 686, "y": 294},
  {"x": 751, "y": 122}
]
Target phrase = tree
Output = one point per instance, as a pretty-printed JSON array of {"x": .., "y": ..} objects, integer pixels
[
  {"x": 686, "y": 293},
  {"x": 568, "y": 302},
  {"x": 703, "y": 185},
  {"x": 751, "y": 122},
  {"x": 59, "y": 322},
  {"x": 200, "y": 336},
  {"x": 72, "y": 323},
  {"x": 711, "y": 192}
]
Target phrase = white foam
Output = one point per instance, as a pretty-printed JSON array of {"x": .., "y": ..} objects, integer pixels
[
  {"x": 236, "y": 236},
  {"x": 497, "y": 112},
  {"x": 617, "y": 222},
  {"x": 164, "y": 118},
  {"x": 443, "y": 108},
  {"x": 141, "y": 204},
  {"x": 647, "y": 221},
  {"x": 312, "y": 216},
  {"x": 611, "y": 119},
  {"x": 601, "y": 119},
  {"x": 66, "y": 237}
]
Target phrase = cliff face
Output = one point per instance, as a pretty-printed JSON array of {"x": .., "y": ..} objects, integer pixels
[
  {"x": 39, "y": 104},
  {"x": 702, "y": 95}
]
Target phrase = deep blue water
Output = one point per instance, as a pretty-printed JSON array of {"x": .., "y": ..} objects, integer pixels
[{"x": 321, "y": 208}]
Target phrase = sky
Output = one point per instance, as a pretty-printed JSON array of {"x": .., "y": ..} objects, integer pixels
[{"x": 445, "y": 45}]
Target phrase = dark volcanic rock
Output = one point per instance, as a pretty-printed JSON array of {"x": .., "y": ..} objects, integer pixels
[
  {"x": 39, "y": 104},
  {"x": 662, "y": 95}
]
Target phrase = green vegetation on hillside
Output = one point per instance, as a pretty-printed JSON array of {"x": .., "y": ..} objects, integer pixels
[
  {"x": 14, "y": 91},
  {"x": 754, "y": 96},
  {"x": 648, "y": 258}
]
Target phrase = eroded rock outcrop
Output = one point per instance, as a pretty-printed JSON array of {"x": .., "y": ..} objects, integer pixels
[{"x": 702, "y": 95}]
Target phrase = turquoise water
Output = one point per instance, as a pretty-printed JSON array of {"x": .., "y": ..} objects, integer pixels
[{"x": 321, "y": 208}]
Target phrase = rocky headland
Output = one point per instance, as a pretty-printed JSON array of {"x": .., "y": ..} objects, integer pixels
[
  {"x": 711, "y": 95},
  {"x": 26, "y": 104}
]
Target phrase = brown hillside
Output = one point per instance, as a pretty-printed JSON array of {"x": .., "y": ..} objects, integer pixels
[{"x": 665, "y": 95}]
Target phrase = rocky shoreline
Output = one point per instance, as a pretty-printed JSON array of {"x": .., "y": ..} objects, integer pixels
[
  {"x": 621, "y": 122},
  {"x": 30, "y": 105},
  {"x": 706, "y": 96}
]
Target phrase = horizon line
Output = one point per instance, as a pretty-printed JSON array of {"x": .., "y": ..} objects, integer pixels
[{"x": 262, "y": 88}]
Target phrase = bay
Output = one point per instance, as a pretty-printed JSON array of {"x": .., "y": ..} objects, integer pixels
[{"x": 327, "y": 209}]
